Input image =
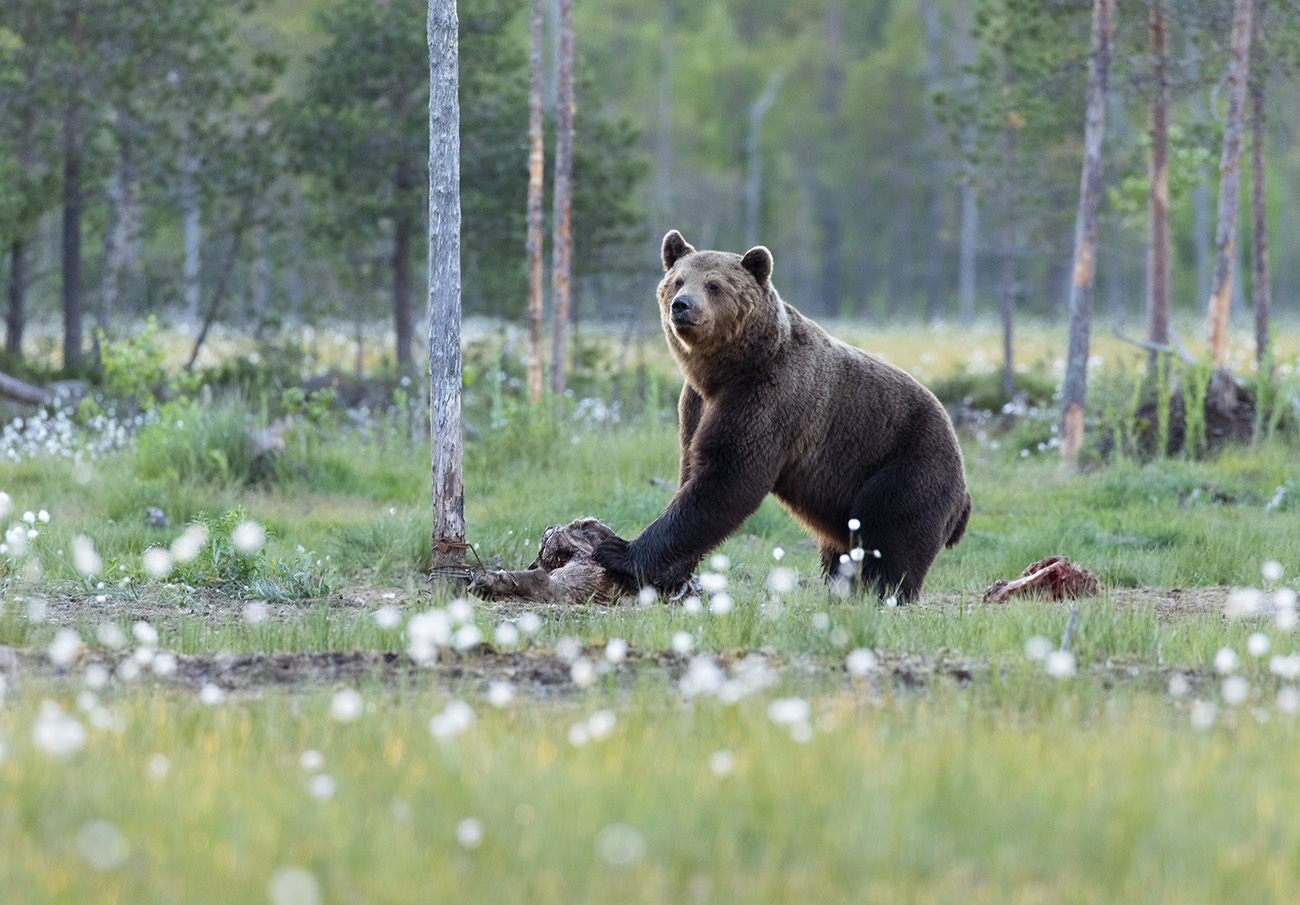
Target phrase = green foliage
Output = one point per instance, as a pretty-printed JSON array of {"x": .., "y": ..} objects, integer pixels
[
  {"x": 982, "y": 390},
  {"x": 193, "y": 441}
]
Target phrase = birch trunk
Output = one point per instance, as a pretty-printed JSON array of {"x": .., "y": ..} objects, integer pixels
[
  {"x": 1085, "y": 235},
  {"x": 536, "y": 178},
  {"x": 1158, "y": 251},
  {"x": 445, "y": 425},
  {"x": 1229, "y": 190},
  {"x": 1260, "y": 289},
  {"x": 562, "y": 239}
]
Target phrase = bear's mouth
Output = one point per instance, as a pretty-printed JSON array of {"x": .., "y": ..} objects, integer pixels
[{"x": 686, "y": 323}]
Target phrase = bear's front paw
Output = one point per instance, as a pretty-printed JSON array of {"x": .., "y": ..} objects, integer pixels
[{"x": 611, "y": 555}]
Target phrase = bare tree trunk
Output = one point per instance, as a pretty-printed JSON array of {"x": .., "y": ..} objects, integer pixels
[
  {"x": 119, "y": 227},
  {"x": 664, "y": 128},
  {"x": 562, "y": 238},
  {"x": 933, "y": 275},
  {"x": 444, "y": 288},
  {"x": 831, "y": 239},
  {"x": 191, "y": 236},
  {"x": 1260, "y": 288},
  {"x": 754, "y": 156},
  {"x": 1085, "y": 234},
  {"x": 1229, "y": 189},
  {"x": 536, "y": 177},
  {"x": 403, "y": 233},
  {"x": 1158, "y": 253},
  {"x": 16, "y": 317},
  {"x": 1007, "y": 277},
  {"x": 223, "y": 281},
  {"x": 72, "y": 210},
  {"x": 968, "y": 233},
  {"x": 1201, "y": 191}
]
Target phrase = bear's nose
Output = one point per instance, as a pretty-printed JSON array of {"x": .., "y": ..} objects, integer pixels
[{"x": 681, "y": 306}]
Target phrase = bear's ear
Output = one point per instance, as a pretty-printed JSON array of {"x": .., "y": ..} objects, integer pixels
[
  {"x": 675, "y": 248},
  {"x": 758, "y": 261}
]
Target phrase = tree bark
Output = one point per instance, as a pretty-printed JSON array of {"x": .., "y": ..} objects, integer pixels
[
  {"x": 16, "y": 317},
  {"x": 536, "y": 178},
  {"x": 445, "y": 424},
  {"x": 1229, "y": 188},
  {"x": 968, "y": 233},
  {"x": 1158, "y": 252},
  {"x": 1085, "y": 234},
  {"x": 933, "y": 276},
  {"x": 403, "y": 234},
  {"x": 1260, "y": 288},
  {"x": 831, "y": 233},
  {"x": 664, "y": 128},
  {"x": 72, "y": 210},
  {"x": 1007, "y": 277},
  {"x": 119, "y": 221},
  {"x": 562, "y": 238}
]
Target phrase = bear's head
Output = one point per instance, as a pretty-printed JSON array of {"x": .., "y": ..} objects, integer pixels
[{"x": 715, "y": 305}]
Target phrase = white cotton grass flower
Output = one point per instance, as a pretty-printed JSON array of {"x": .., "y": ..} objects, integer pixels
[
  {"x": 460, "y": 611},
  {"x": 102, "y": 845},
  {"x": 600, "y": 725},
  {"x": 84, "y": 558},
  {"x": 721, "y": 763},
  {"x": 721, "y": 604},
  {"x": 1258, "y": 644},
  {"x": 145, "y": 633},
  {"x": 1037, "y": 647},
  {"x": 713, "y": 582},
  {"x": 6, "y": 505},
  {"x": 1202, "y": 714},
  {"x": 568, "y": 649},
  {"x": 322, "y": 786},
  {"x": 854, "y": 524},
  {"x": 16, "y": 541},
  {"x": 56, "y": 733},
  {"x": 583, "y": 672},
  {"x": 1178, "y": 685},
  {"x": 692, "y": 605},
  {"x": 646, "y": 596},
  {"x": 616, "y": 651},
  {"x": 719, "y": 562},
  {"x": 821, "y": 621},
  {"x": 311, "y": 760},
  {"x": 387, "y": 617},
  {"x": 1271, "y": 570},
  {"x": 1288, "y": 700},
  {"x": 292, "y": 885},
  {"x": 860, "y": 662},
  {"x": 781, "y": 580},
  {"x": 211, "y": 694},
  {"x": 1287, "y": 667},
  {"x": 468, "y": 636},
  {"x": 248, "y": 537},
  {"x": 529, "y": 623},
  {"x": 682, "y": 642},
  {"x": 469, "y": 833},
  {"x": 578, "y": 735},
  {"x": 157, "y": 562},
  {"x": 620, "y": 845},
  {"x": 66, "y": 648},
  {"x": 1243, "y": 603},
  {"x": 29, "y": 517},
  {"x": 1060, "y": 664},
  {"x": 157, "y": 765},
  {"x": 346, "y": 705},
  {"x": 505, "y": 635},
  {"x": 256, "y": 612},
  {"x": 186, "y": 548},
  {"x": 43, "y": 516},
  {"x": 778, "y": 553},
  {"x": 164, "y": 664},
  {"x": 1226, "y": 661},
  {"x": 703, "y": 676},
  {"x": 1235, "y": 690},
  {"x": 456, "y": 717},
  {"x": 500, "y": 693},
  {"x": 95, "y": 676},
  {"x": 786, "y": 711}
]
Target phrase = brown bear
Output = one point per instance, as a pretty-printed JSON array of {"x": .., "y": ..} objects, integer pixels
[{"x": 774, "y": 404}]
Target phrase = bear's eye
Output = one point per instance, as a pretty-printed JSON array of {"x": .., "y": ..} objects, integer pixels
[
  {"x": 680, "y": 282},
  {"x": 711, "y": 288}
]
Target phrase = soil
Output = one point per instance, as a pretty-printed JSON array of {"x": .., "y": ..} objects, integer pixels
[{"x": 536, "y": 672}]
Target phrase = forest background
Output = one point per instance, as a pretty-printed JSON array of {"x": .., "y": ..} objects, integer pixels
[{"x": 265, "y": 164}]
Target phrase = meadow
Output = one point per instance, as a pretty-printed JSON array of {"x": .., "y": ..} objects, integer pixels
[{"x": 227, "y": 678}]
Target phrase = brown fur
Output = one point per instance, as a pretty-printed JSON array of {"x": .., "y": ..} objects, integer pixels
[{"x": 774, "y": 404}]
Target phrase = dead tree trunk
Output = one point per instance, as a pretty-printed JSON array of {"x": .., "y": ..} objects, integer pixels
[
  {"x": 404, "y": 228},
  {"x": 1010, "y": 250},
  {"x": 1260, "y": 289},
  {"x": 1085, "y": 235},
  {"x": 1158, "y": 253},
  {"x": 445, "y": 426},
  {"x": 73, "y": 202},
  {"x": 1229, "y": 191},
  {"x": 562, "y": 236},
  {"x": 536, "y": 176}
]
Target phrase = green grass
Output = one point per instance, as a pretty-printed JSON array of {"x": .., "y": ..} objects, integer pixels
[{"x": 992, "y": 782}]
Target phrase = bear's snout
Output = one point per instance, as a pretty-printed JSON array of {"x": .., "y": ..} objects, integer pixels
[{"x": 681, "y": 310}]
